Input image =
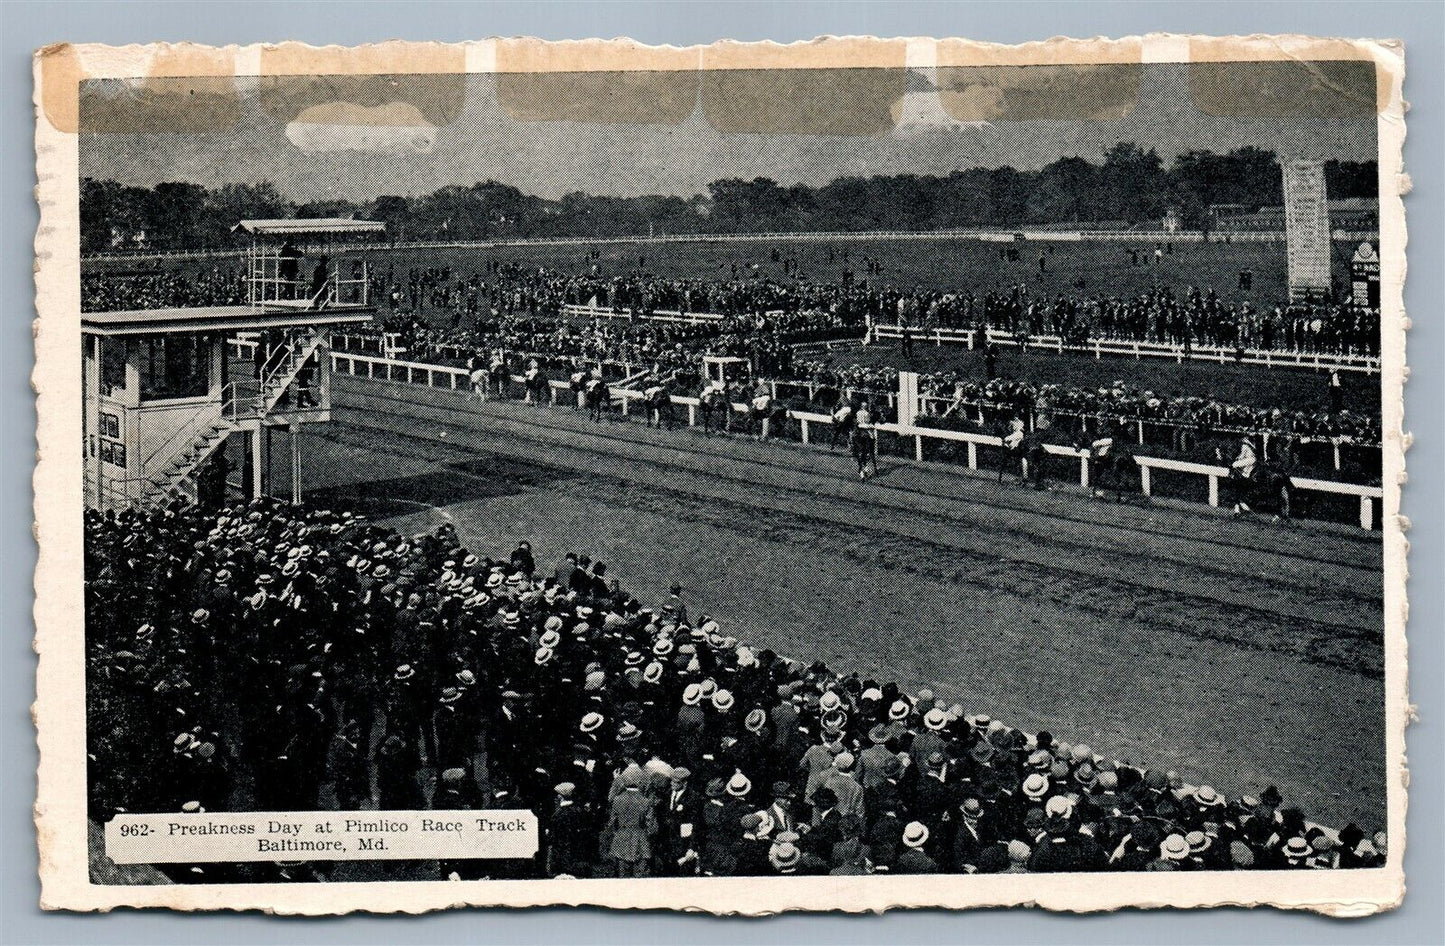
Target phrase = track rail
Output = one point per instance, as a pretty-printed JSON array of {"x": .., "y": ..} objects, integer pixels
[
  {"x": 995, "y": 502},
  {"x": 1125, "y": 535}
]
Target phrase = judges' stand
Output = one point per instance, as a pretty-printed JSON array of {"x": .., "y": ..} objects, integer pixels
[{"x": 164, "y": 402}]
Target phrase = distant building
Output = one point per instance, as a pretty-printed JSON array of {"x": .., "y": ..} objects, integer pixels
[
  {"x": 1353, "y": 214},
  {"x": 1356, "y": 214},
  {"x": 122, "y": 238}
]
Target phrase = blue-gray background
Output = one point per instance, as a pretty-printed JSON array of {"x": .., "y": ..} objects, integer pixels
[{"x": 28, "y": 25}]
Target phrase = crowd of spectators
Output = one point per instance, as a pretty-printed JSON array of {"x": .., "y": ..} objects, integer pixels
[
  {"x": 518, "y": 310},
  {"x": 1197, "y": 317},
  {"x": 674, "y": 351},
  {"x": 161, "y": 289},
  {"x": 1194, "y": 317},
  {"x": 954, "y": 392},
  {"x": 266, "y": 656}
]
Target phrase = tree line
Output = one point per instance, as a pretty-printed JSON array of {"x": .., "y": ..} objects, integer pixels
[{"x": 1126, "y": 186}]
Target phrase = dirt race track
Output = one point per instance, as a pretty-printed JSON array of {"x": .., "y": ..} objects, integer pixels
[{"x": 1238, "y": 653}]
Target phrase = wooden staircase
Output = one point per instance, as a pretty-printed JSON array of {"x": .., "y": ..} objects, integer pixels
[{"x": 241, "y": 401}]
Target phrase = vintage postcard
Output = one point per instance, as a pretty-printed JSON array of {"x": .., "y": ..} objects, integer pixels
[{"x": 860, "y": 474}]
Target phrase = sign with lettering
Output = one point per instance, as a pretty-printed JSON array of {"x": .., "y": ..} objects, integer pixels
[
  {"x": 1365, "y": 276},
  {"x": 1306, "y": 228},
  {"x": 199, "y": 837}
]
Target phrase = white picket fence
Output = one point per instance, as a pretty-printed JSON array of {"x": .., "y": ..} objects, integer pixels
[
  {"x": 929, "y": 405},
  {"x": 656, "y": 315},
  {"x": 457, "y": 379},
  {"x": 1100, "y": 347}
]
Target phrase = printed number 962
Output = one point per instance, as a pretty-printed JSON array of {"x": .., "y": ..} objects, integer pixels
[{"x": 135, "y": 830}]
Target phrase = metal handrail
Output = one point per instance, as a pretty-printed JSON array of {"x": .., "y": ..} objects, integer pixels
[
  {"x": 228, "y": 409},
  {"x": 209, "y": 413}
]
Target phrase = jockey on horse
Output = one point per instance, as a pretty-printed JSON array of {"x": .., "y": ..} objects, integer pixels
[
  {"x": 598, "y": 397},
  {"x": 658, "y": 402},
  {"x": 712, "y": 399},
  {"x": 1258, "y": 483}
]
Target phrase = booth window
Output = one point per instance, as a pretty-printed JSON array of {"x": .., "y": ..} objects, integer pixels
[
  {"x": 174, "y": 366},
  {"x": 112, "y": 366}
]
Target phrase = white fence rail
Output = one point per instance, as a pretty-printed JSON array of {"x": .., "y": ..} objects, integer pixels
[
  {"x": 656, "y": 315},
  {"x": 929, "y": 405},
  {"x": 1098, "y": 347},
  {"x": 456, "y": 379}
]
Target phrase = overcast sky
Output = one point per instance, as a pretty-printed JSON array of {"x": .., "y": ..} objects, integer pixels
[{"x": 481, "y": 140}]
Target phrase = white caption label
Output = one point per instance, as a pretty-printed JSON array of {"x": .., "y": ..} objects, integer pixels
[{"x": 319, "y": 836}]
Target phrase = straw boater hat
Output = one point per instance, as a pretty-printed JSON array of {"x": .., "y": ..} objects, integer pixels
[
  {"x": 1175, "y": 848},
  {"x": 692, "y": 694},
  {"x": 1036, "y": 786},
  {"x": 652, "y": 673},
  {"x": 785, "y": 856},
  {"x": 722, "y": 701},
  {"x": 899, "y": 710},
  {"x": 404, "y": 672},
  {"x": 1208, "y": 797},
  {"x": 935, "y": 719},
  {"x": 543, "y": 656},
  {"x": 739, "y": 785},
  {"x": 915, "y": 835},
  {"x": 591, "y": 722}
]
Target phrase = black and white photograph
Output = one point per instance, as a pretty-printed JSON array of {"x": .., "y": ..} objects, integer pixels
[{"x": 573, "y": 464}]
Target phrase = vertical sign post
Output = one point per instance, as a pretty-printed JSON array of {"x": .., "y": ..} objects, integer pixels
[
  {"x": 1307, "y": 229},
  {"x": 1365, "y": 276},
  {"x": 907, "y": 397}
]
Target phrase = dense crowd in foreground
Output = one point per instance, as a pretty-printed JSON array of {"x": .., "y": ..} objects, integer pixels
[{"x": 275, "y": 657}]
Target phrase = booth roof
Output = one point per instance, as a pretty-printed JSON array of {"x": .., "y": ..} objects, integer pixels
[{"x": 217, "y": 319}]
